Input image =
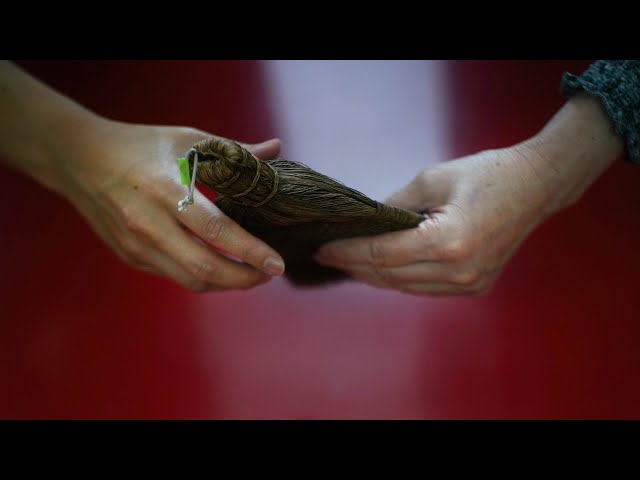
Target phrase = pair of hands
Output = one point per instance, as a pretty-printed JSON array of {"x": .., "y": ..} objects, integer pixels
[
  {"x": 124, "y": 180},
  {"x": 128, "y": 190},
  {"x": 479, "y": 209}
]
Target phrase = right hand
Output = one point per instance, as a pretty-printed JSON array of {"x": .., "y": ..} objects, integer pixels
[{"x": 124, "y": 180}]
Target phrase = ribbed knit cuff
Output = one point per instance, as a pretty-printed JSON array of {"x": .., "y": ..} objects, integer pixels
[{"x": 617, "y": 84}]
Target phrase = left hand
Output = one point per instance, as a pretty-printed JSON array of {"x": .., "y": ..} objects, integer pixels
[{"x": 480, "y": 208}]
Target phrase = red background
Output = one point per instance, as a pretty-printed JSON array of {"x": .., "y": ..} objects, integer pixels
[{"x": 84, "y": 336}]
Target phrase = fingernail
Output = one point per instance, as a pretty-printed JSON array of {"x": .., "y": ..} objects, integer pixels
[{"x": 273, "y": 266}]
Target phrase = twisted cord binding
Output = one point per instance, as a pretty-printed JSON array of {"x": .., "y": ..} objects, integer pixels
[
  {"x": 292, "y": 207},
  {"x": 274, "y": 190}
]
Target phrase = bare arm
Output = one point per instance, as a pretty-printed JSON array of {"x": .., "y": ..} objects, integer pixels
[
  {"x": 37, "y": 123},
  {"x": 123, "y": 179}
]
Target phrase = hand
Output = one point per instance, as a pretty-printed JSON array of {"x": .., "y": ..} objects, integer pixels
[
  {"x": 124, "y": 180},
  {"x": 479, "y": 210}
]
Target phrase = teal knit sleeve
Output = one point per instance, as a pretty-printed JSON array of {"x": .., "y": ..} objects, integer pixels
[{"x": 617, "y": 84}]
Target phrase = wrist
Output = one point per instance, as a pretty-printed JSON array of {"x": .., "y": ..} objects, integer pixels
[
  {"x": 573, "y": 149},
  {"x": 39, "y": 124},
  {"x": 66, "y": 142}
]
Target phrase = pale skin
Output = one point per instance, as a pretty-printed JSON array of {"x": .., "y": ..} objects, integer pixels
[
  {"x": 479, "y": 209},
  {"x": 123, "y": 179}
]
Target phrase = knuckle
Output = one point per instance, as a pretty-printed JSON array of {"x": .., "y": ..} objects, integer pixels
[
  {"x": 468, "y": 277},
  {"x": 213, "y": 227},
  {"x": 128, "y": 217},
  {"x": 139, "y": 229},
  {"x": 203, "y": 271},
  {"x": 454, "y": 251},
  {"x": 133, "y": 261},
  {"x": 132, "y": 221},
  {"x": 131, "y": 248},
  {"x": 122, "y": 254},
  {"x": 376, "y": 254},
  {"x": 383, "y": 274}
]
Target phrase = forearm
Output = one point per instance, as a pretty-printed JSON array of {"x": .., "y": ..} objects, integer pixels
[
  {"x": 573, "y": 149},
  {"x": 37, "y": 124}
]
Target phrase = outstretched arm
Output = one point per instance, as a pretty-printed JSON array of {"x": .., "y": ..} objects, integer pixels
[{"x": 123, "y": 178}]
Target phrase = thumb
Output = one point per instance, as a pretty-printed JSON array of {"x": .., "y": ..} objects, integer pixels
[
  {"x": 267, "y": 150},
  {"x": 429, "y": 189}
]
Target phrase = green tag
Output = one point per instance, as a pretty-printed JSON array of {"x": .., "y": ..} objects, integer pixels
[{"x": 183, "y": 164}]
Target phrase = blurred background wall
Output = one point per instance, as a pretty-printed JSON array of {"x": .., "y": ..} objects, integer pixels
[{"x": 84, "y": 336}]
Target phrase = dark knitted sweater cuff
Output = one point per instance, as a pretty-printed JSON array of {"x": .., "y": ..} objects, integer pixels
[{"x": 617, "y": 84}]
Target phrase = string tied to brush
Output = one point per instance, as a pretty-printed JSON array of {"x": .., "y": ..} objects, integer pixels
[
  {"x": 187, "y": 178},
  {"x": 254, "y": 182},
  {"x": 288, "y": 205},
  {"x": 231, "y": 171}
]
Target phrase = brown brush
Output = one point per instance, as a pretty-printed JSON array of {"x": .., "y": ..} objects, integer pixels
[{"x": 291, "y": 207}]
